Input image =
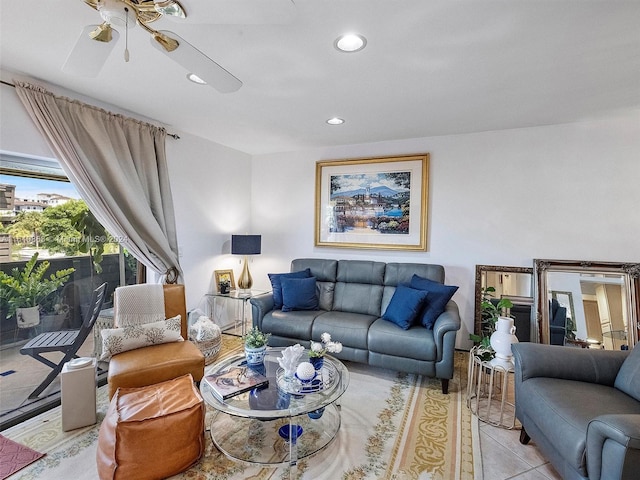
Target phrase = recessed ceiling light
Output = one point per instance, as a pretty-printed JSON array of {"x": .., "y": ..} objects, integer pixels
[
  {"x": 335, "y": 121},
  {"x": 192, "y": 77},
  {"x": 350, "y": 42}
]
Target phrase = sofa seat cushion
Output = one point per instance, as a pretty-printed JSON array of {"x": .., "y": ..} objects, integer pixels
[
  {"x": 296, "y": 324},
  {"x": 417, "y": 342},
  {"x": 564, "y": 408},
  {"x": 154, "y": 364},
  {"x": 350, "y": 329}
]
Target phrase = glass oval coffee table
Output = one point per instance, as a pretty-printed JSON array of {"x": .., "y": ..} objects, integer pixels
[{"x": 279, "y": 424}]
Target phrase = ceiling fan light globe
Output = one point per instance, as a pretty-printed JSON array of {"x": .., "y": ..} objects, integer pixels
[{"x": 169, "y": 7}]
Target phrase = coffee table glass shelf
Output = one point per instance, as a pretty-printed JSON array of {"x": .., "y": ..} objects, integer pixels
[{"x": 282, "y": 423}]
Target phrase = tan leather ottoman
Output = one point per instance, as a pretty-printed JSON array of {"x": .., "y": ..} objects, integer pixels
[{"x": 152, "y": 432}]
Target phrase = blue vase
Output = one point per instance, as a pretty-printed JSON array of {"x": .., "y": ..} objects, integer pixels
[
  {"x": 317, "y": 362},
  {"x": 255, "y": 356}
]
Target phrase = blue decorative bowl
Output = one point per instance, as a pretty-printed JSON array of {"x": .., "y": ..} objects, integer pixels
[{"x": 283, "y": 431}]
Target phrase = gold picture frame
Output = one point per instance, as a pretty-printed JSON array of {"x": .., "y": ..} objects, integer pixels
[
  {"x": 221, "y": 275},
  {"x": 376, "y": 203}
]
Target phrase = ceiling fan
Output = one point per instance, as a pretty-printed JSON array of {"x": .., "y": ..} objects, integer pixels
[{"x": 97, "y": 41}]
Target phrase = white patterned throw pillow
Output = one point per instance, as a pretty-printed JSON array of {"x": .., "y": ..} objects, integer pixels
[{"x": 118, "y": 340}]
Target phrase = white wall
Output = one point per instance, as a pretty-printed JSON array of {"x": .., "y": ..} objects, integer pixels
[
  {"x": 495, "y": 198},
  {"x": 210, "y": 184}
]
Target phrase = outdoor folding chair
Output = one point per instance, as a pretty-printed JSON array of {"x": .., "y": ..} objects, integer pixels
[{"x": 65, "y": 341}]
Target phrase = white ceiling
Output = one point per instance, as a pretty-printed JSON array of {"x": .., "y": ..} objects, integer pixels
[{"x": 431, "y": 67}]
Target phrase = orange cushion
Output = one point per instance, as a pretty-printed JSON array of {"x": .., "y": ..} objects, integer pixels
[
  {"x": 154, "y": 364},
  {"x": 151, "y": 432}
]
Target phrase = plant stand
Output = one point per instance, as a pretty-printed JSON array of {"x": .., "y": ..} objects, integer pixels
[{"x": 488, "y": 392}]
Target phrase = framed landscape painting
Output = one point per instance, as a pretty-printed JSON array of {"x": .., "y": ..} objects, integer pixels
[{"x": 378, "y": 203}]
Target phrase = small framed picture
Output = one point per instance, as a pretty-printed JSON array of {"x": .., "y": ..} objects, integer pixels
[{"x": 224, "y": 280}]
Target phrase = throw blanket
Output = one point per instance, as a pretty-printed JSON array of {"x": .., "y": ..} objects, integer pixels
[{"x": 138, "y": 304}]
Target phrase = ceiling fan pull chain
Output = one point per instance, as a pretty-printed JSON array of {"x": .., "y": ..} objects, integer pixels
[{"x": 126, "y": 34}]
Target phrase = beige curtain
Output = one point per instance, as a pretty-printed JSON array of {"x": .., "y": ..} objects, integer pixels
[{"x": 119, "y": 167}]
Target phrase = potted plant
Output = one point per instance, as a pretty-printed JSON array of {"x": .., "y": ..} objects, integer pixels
[
  {"x": 490, "y": 312},
  {"x": 53, "y": 312},
  {"x": 319, "y": 349},
  {"x": 22, "y": 291},
  {"x": 255, "y": 345}
]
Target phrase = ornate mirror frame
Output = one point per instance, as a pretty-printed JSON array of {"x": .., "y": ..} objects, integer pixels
[
  {"x": 629, "y": 271},
  {"x": 480, "y": 269}
]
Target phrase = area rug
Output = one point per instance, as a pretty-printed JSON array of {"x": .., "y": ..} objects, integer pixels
[
  {"x": 395, "y": 426},
  {"x": 14, "y": 457}
]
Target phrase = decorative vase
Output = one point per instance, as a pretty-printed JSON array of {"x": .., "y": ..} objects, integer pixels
[
  {"x": 503, "y": 337},
  {"x": 255, "y": 356},
  {"x": 317, "y": 362}
]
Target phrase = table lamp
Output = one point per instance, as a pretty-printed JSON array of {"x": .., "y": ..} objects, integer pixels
[{"x": 245, "y": 245}]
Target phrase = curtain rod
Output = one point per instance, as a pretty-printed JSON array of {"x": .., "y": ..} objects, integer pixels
[{"x": 173, "y": 135}]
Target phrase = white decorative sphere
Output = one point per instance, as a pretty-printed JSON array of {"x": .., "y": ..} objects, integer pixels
[{"x": 305, "y": 371}]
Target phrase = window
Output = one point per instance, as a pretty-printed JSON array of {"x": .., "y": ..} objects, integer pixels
[{"x": 42, "y": 213}]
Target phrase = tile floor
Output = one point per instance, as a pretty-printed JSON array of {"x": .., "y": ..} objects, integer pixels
[{"x": 503, "y": 456}]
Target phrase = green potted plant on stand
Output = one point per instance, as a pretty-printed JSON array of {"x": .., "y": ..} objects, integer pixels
[
  {"x": 255, "y": 345},
  {"x": 490, "y": 312},
  {"x": 23, "y": 291}
]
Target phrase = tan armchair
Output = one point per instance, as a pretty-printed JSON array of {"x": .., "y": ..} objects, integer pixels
[{"x": 158, "y": 363}]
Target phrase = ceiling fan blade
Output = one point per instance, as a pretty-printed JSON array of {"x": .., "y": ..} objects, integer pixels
[
  {"x": 197, "y": 62},
  {"x": 88, "y": 56}
]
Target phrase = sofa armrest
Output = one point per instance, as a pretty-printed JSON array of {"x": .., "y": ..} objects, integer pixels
[
  {"x": 568, "y": 363},
  {"x": 448, "y": 321},
  {"x": 260, "y": 306},
  {"x": 613, "y": 446}
]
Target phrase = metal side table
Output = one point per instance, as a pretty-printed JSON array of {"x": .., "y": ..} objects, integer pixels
[{"x": 489, "y": 395}]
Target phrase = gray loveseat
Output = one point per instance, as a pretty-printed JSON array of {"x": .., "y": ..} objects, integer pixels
[
  {"x": 581, "y": 407},
  {"x": 352, "y": 296}
]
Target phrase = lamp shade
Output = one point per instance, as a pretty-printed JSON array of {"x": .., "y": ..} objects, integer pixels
[{"x": 245, "y": 244}]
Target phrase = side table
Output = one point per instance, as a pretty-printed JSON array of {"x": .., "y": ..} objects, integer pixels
[
  {"x": 213, "y": 306},
  {"x": 488, "y": 394}
]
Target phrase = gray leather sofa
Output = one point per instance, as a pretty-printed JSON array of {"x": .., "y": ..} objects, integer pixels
[
  {"x": 353, "y": 295},
  {"x": 581, "y": 407}
]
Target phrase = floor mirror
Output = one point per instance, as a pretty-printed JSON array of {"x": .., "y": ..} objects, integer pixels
[
  {"x": 587, "y": 304},
  {"x": 514, "y": 283}
]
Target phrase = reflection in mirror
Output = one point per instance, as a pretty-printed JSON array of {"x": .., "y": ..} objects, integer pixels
[
  {"x": 587, "y": 304},
  {"x": 514, "y": 283}
]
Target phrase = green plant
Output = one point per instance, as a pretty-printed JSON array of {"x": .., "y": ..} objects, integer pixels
[
  {"x": 489, "y": 313},
  {"x": 254, "y": 338},
  {"x": 93, "y": 237},
  {"x": 29, "y": 287}
]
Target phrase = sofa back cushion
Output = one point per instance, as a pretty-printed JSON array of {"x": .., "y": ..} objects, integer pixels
[
  {"x": 323, "y": 270},
  {"x": 628, "y": 378},
  {"x": 359, "y": 287},
  {"x": 397, "y": 273}
]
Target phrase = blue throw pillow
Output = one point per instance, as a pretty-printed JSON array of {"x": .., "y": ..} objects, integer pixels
[
  {"x": 404, "y": 306},
  {"x": 299, "y": 294},
  {"x": 439, "y": 296},
  {"x": 276, "y": 286}
]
